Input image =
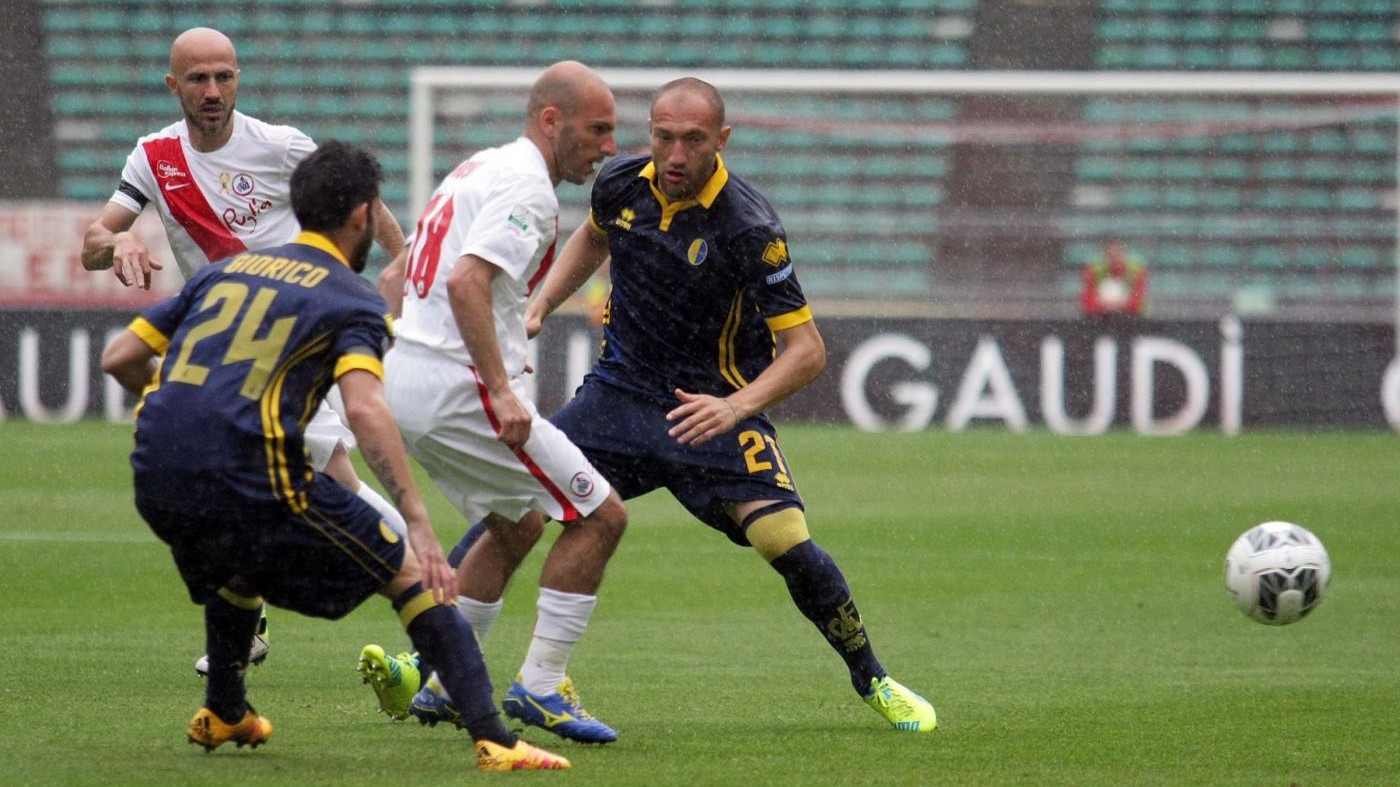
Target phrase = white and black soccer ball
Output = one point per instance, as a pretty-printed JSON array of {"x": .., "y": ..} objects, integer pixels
[{"x": 1277, "y": 572}]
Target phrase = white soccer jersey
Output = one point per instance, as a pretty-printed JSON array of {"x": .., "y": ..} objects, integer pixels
[
  {"x": 498, "y": 205},
  {"x": 219, "y": 203}
]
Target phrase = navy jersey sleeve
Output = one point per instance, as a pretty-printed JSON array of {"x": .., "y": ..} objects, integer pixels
[
  {"x": 769, "y": 277},
  {"x": 362, "y": 341},
  {"x": 610, "y": 186}
]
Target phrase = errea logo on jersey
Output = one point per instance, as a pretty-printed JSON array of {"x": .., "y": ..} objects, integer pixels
[
  {"x": 625, "y": 218},
  {"x": 776, "y": 253}
]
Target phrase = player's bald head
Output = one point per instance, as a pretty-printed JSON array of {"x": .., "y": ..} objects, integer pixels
[
  {"x": 690, "y": 89},
  {"x": 200, "y": 44},
  {"x": 566, "y": 85}
]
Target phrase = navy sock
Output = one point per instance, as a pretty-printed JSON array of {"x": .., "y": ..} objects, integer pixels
[
  {"x": 454, "y": 559},
  {"x": 446, "y": 641},
  {"x": 228, "y": 630},
  {"x": 820, "y": 591},
  {"x": 459, "y": 552}
]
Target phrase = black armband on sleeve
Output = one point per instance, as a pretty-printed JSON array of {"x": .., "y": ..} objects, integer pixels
[{"x": 133, "y": 192}]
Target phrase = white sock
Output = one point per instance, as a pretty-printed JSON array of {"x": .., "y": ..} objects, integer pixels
[
  {"x": 479, "y": 614},
  {"x": 391, "y": 515},
  {"x": 561, "y": 618}
]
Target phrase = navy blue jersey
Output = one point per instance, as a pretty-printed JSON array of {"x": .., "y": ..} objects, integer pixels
[
  {"x": 251, "y": 344},
  {"x": 698, "y": 286}
]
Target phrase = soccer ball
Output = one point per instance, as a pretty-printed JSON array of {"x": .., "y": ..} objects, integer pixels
[{"x": 1277, "y": 572}]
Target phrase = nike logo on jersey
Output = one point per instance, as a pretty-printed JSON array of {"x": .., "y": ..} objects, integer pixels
[{"x": 174, "y": 186}]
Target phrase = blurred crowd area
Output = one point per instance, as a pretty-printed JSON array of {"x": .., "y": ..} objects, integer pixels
[{"x": 930, "y": 201}]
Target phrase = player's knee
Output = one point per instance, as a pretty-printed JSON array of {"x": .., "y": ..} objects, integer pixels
[
  {"x": 773, "y": 530},
  {"x": 514, "y": 540},
  {"x": 609, "y": 520}
]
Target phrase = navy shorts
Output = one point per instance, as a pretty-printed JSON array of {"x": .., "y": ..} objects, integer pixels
[
  {"x": 624, "y": 436},
  {"x": 323, "y": 562}
]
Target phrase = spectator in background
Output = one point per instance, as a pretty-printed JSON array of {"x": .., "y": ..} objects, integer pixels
[{"x": 1116, "y": 283}]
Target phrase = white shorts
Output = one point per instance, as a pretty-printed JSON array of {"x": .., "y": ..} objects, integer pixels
[
  {"x": 440, "y": 412},
  {"x": 326, "y": 431}
]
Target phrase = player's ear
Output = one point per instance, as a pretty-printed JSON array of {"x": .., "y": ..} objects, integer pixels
[
  {"x": 172, "y": 85},
  {"x": 360, "y": 217},
  {"x": 550, "y": 118},
  {"x": 723, "y": 137}
]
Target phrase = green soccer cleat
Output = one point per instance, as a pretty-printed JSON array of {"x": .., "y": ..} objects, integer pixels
[
  {"x": 393, "y": 678},
  {"x": 901, "y": 707}
]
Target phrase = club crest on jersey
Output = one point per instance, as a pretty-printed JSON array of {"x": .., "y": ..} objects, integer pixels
[
  {"x": 697, "y": 252},
  {"x": 167, "y": 171},
  {"x": 581, "y": 485},
  {"x": 243, "y": 184}
]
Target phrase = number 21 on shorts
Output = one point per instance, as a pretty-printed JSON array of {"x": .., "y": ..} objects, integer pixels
[{"x": 759, "y": 449}]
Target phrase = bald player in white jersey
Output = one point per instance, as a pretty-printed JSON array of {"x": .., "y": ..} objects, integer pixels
[
  {"x": 454, "y": 382},
  {"x": 220, "y": 181}
]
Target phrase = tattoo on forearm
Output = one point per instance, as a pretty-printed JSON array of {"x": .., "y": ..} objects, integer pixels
[{"x": 383, "y": 469}]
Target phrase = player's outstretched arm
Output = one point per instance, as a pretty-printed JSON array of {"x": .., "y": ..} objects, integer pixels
[
  {"x": 391, "y": 281},
  {"x": 109, "y": 243},
  {"x": 129, "y": 361},
  {"x": 387, "y": 232},
  {"x": 583, "y": 254},
  {"x": 801, "y": 359},
  {"x": 369, "y": 418}
]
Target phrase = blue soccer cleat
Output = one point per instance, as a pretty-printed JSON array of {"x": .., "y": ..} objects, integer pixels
[
  {"x": 561, "y": 713},
  {"x": 431, "y": 705}
]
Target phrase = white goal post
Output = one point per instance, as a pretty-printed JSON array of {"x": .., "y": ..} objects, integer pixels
[{"x": 455, "y": 92}]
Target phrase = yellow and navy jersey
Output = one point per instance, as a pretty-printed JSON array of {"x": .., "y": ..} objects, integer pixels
[
  {"x": 251, "y": 345},
  {"x": 699, "y": 286}
]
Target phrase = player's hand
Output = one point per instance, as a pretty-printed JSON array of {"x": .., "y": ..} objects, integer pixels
[
  {"x": 438, "y": 577},
  {"x": 702, "y": 418},
  {"x": 534, "y": 322},
  {"x": 131, "y": 262},
  {"x": 512, "y": 419}
]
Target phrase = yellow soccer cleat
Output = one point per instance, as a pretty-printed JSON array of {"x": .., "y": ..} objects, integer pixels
[
  {"x": 491, "y": 756},
  {"x": 393, "y": 678},
  {"x": 211, "y": 732},
  {"x": 901, "y": 707}
]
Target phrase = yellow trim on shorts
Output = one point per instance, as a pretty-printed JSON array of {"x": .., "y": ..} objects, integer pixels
[
  {"x": 416, "y": 606},
  {"x": 774, "y": 534},
  {"x": 242, "y": 602}
]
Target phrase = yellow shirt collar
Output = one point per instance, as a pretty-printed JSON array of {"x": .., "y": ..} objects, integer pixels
[
  {"x": 707, "y": 194},
  {"x": 319, "y": 241}
]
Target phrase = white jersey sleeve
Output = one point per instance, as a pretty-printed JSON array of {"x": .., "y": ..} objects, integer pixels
[{"x": 514, "y": 222}]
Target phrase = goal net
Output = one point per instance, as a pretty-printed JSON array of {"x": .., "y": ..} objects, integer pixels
[{"x": 986, "y": 193}]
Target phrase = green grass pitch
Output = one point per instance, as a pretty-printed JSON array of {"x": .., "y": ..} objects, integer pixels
[{"x": 1059, "y": 599}]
